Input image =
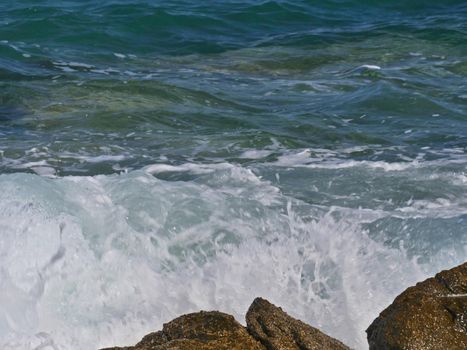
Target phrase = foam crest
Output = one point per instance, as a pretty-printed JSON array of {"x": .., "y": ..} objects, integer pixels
[{"x": 329, "y": 159}]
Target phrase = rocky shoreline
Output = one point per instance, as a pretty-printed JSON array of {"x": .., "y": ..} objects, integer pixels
[{"x": 431, "y": 315}]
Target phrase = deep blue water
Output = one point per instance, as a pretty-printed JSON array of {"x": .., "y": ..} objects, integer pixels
[{"x": 158, "y": 158}]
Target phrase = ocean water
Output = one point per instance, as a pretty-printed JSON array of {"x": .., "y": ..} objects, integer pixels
[{"x": 158, "y": 158}]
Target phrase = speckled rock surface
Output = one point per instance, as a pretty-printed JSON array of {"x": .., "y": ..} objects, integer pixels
[
  {"x": 269, "y": 328},
  {"x": 278, "y": 331},
  {"x": 199, "y": 331},
  {"x": 429, "y": 316}
]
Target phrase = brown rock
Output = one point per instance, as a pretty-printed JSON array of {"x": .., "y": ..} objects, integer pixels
[
  {"x": 199, "y": 331},
  {"x": 429, "y": 316},
  {"x": 278, "y": 331},
  {"x": 269, "y": 328}
]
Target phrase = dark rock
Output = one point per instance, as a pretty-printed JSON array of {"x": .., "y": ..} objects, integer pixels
[
  {"x": 199, "y": 331},
  {"x": 278, "y": 331},
  {"x": 429, "y": 316}
]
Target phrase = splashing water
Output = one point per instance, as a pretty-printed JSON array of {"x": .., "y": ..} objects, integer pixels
[{"x": 103, "y": 260}]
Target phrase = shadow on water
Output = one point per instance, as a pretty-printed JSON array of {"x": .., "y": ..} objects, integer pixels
[{"x": 11, "y": 113}]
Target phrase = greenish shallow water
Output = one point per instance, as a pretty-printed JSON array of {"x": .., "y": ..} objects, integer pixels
[{"x": 196, "y": 155}]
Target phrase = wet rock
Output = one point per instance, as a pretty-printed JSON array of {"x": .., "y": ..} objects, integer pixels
[
  {"x": 429, "y": 316},
  {"x": 269, "y": 328},
  {"x": 278, "y": 331},
  {"x": 199, "y": 331}
]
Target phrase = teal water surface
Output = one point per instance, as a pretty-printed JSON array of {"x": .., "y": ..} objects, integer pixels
[{"x": 199, "y": 154}]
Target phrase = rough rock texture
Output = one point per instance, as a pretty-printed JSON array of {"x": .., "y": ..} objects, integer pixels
[
  {"x": 278, "y": 331},
  {"x": 429, "y": 316},
  {"x": 269, "y": 328},
  {"x": 199, "y": 331}
]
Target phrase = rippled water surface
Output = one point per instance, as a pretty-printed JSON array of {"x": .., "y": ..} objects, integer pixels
[{"x": 158, "y": 158}]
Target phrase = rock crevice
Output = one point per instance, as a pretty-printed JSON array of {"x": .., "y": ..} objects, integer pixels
[
  {"x": 268, "y": 328},
  {"x": 277, "y": 330}
]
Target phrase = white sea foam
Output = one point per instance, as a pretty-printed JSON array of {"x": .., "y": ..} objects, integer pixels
[
  {"x": 302, "y": 159},
  {"x": 44, "y": 170},
  {"x": 72, "y": 65},
  {"x": 102, "y": 158},
  {"x": 188, "y": 167},
  {"x": 370, "y": 66},
  {"x": 329, "y": 159},
  {"x": 88, "y": 262},
  {"x": 255, "y": 154},
  {"x": 67, "y": 69},
  {"x": 438, "y": 208},
  {"x": 106, "y": 71}
]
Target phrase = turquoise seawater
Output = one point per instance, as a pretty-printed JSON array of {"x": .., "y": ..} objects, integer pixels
[{"x": 158, "y": 158}]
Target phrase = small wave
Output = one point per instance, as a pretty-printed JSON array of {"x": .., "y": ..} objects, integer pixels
[{"x": 328, "y": 159}]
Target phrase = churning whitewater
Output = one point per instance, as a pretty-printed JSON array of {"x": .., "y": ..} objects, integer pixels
[{"x": 95, "y": 261}]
